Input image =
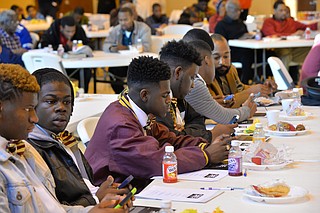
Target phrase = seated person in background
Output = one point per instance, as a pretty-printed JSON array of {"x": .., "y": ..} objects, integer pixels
[
  {"x": 196, "y": 13},
  {"x": 8, "y": 57},
  {"x": 280, "y": 25},
  {"x": 288, "y": 12},
  {"x": 184, "y": 62},
  {"x": 33, "y": 13},
  {"x": 126, "y": 33},
  {"x": 220, "y": 13},
  {"x": 232, "y": 27},
  {"x": 106, "y": 6},
  {"x": 78, "y": 15},
  {"x": 8, "y": 26},
  {"x": 58, "y": 147},
  {"x": 157, "y": 20},
  {"x": 199, "y": 97},
  {"x": 18, "y": 10},
  {"x": 26, "y": 182},
  {"x": 124, "y": 3},
  {"x": 227, "y": 81},
  {"x": 311, "y": 64},
  {"x": 64, "y": 31},
  {"x": 127, "y": 140}
]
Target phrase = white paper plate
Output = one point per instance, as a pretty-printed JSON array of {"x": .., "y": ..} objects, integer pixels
[
  {"x": 293, "y": 38},
  {"x": 268, "y": 39},
  {"x": 283, "y": 133},
  {"x": 254, "y": 166},
  {"x": 294, "y": 118},
  {"x": 128, "y": 52},
  {"x": 294, "y": 194}
]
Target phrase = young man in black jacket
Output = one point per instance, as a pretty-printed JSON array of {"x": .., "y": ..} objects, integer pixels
[
  {"x": 72, "y": 173},
  {"x": 64, "y": 31},
  {"x": 184, "y": 62}
]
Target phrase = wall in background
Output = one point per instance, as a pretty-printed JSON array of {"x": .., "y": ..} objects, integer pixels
[{"x": 21, "y": 3}]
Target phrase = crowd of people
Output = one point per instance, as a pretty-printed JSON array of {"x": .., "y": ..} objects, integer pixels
[{"x": 165, "y": 102}]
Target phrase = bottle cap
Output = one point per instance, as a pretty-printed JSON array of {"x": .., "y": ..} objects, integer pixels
[
  {"x": 258, "y": 125},
  {"x": 169, "y": 149},
  {"x": 235, "y": 143},
  {"x": 165, "y": 204}
]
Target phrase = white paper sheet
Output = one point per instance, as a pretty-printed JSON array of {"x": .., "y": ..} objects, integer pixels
[
  {"x": 178, "y": 194},
  {"x": 207, "y": 175}
]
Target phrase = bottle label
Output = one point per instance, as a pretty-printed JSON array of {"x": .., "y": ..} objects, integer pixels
[
  {"x": 258, "y": 139},
  {"x": 235, "y": 165},
  {"x": 170, "y": 172}
]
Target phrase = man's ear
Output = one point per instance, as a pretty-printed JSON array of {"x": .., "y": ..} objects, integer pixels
[
  {"x": 177, "y": 72},
  {"x": 144, "y": 95},
  {"x": 206, "y": 59}
]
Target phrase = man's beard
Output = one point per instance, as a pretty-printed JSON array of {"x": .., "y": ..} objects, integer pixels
[{"x": 222, "y": 70}]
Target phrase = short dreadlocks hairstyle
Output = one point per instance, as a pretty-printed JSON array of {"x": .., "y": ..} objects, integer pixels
[
  {"x": 144, "y": 70},
  {"x": 49, "y": 75},
  {"x": 179, "y": 53},
  {"x": 198, "y": 34},
  {"x": 14, "y": 80}
]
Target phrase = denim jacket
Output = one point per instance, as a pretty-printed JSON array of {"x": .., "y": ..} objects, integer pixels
[{"x": 17, "y": 193}]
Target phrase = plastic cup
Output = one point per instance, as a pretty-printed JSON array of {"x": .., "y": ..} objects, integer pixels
[
  {"x": 273, "y": 116},
  {"x": 286, "y": 104}
]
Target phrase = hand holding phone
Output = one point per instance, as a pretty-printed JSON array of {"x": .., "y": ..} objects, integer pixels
[
  {"x": 125, "y": 182},
  {"x": 126, "y": 199},
  {"x": 234, "y": 119}
]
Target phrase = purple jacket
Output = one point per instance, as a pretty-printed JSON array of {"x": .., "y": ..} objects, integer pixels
[{"x": 119, "y": 148}]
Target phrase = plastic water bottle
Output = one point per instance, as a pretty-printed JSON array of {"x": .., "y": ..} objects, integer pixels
[
  {"x": 169, "y": 166},
  {"x": 258, "y": 134},
  {"x": 139, "y": 45},
  {"x": 235, "y": 160},
  {"x": 50, "y": 49},
  {"x": 307, "y": 33},
  {"x": 60, "y": 50},
  {"x": 296, "y": 95},
  {"x": 205, "y": 25},
  {"x": 80, "y": 43},
  {"x": 74, "y": 45},
  {"x": 165, "y": 206},
  {"x": 257, "y": 36}
]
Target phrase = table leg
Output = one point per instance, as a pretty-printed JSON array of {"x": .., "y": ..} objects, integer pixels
[
  {"x": 264, "y": 64},
  {"x": 255, "y": 66},
  {"x": 81, "y": 78}
]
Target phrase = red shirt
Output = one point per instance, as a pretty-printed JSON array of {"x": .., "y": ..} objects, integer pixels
[
  {"x": 63, "y": 40},
  {"x": 245, "y": 4},
  {"x": 213, "y": 21},
  {"x": 287, "y": 27}
]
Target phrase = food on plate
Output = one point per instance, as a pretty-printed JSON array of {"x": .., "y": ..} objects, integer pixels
[
  {"x": 296, "y": 112},
  {"x": 218, "y": 210},
  {"x": 285, "y": 127},
  {"x": 300, "y": 127},
  {"x": 264, "y": 101},
  {"x": 252, "y": 127},
  {"x": 256, "y": 160},
  {"x": 275, "y": 190}
]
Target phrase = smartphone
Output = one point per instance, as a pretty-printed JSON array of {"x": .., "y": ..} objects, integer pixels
[
  {"x": 228, "y": 97},
  {"x": 125, "y": 182},
  {"x": 246, "y": 122},
  {"x": 234, "y": 119},
  {"x": 126, "y": 199}
]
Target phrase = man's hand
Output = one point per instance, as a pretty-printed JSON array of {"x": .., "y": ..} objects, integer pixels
[
  {"x": 271, "y": 85},
  {"x": 220, "y": 129},
  {"x": 263, "y": 89},
  {"x": 250, "y": 103},
  {"x": 218, "y": 150},
  {"x": 108, "y": 190}
]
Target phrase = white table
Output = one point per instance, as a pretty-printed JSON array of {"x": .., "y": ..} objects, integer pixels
[
  {"x": 97, "y": 34},
  {"x": 157, "y": 42},
  {"x": 255, "y": 45},
  {"x": 303, "y": 173},
  {"x": 101, "y": 59},
  {"x": 89, "y": 105}
]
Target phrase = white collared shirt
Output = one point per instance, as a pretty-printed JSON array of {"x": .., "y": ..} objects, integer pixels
[{"x": 141, "y": 115}]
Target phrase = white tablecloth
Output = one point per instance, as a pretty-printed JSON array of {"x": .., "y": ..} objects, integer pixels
[{"x": 304, "y": 174}]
